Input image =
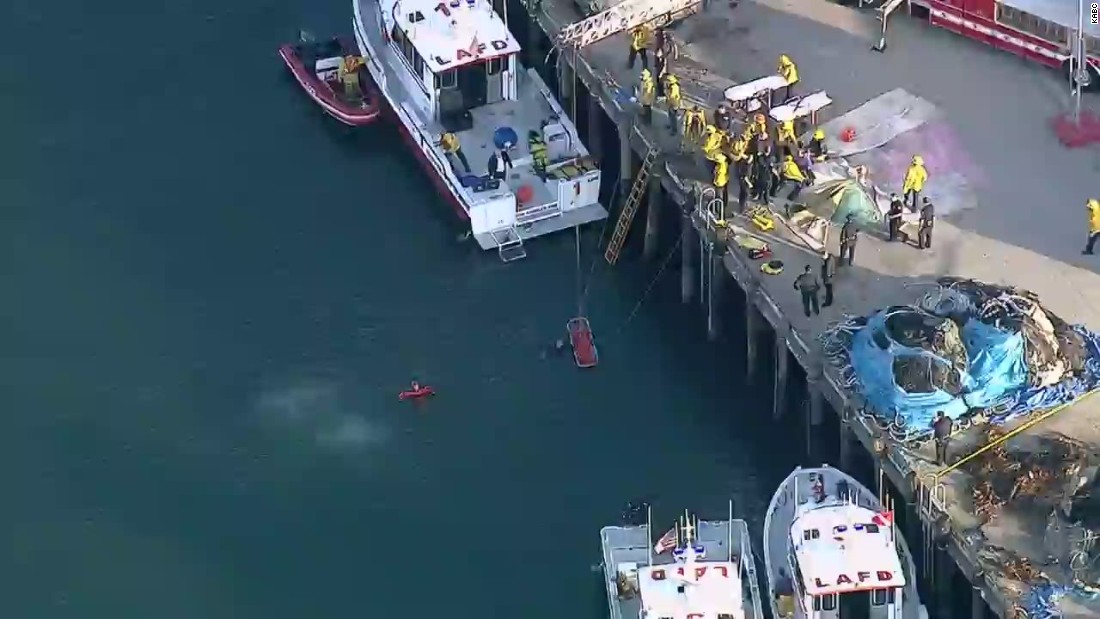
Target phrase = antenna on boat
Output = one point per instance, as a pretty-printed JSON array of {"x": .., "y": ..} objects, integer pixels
[
  {"x": 649, "y": 533},
  {"x": 729, "y": 535}
]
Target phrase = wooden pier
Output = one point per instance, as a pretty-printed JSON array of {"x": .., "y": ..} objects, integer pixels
[{"x": 832, "y": 46}]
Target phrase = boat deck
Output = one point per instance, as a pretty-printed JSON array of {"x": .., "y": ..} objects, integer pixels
[
  {"x": 839, "y": 488},
  {"x": 533, "y": 107},
  {"x": 632, "y": 545}
]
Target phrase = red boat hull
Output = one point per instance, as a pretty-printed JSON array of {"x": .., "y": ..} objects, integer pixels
[{"x": 322, "y": 93}]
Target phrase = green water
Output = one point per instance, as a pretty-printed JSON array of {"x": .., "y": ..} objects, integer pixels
[{"x": 213, "y": 295}]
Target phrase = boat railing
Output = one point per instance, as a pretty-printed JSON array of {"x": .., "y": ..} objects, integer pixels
[{"x": 748, "y": 567}]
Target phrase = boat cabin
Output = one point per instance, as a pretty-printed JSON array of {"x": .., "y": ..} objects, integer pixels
[
  {"x": 695, "y": 590},
  {"x": 845, "y": 564},
  {"x": 458, "y": 53}
]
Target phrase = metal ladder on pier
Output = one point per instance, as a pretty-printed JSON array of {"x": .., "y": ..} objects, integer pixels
[
  {"x": 509, "y": 244},
  {"x": 630, "y": 208}
]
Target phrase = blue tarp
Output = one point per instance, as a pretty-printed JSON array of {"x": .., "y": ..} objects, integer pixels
[{"x": 996, "y": 369}]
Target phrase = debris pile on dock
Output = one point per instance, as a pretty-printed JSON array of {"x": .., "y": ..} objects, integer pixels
[
  {"x": 969, "y": 349},
  {"x": 1036, "y": 476}
]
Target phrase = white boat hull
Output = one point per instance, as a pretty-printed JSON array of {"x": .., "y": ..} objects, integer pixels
[
  {"x": 780, "y": 516},
  {"x": 497, "y": 218}
]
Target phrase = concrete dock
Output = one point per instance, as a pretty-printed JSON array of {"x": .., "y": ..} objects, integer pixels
[{"x": 1027, "y": 230}]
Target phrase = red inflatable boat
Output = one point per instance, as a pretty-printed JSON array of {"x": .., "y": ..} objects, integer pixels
[{"x": 316, "y": 66}]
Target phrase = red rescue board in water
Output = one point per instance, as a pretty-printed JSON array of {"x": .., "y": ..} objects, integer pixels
[
  {"x": 584, "y": 346},
  {"x": 415, "y": 394}
]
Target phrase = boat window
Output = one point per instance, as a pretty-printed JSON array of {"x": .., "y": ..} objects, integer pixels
[
  {"x": 878, "y": 597},
  {"x": 446, "y": 79},
  {"x": 817, "y": 602},
  {"x": 870, "y": 528},
  {"x": 828, "y": 601},
  {"x": 811, "y": 534},
  {"x": 416, "y": 17},
  {"x": 494, "y": 65},
  {"x": 402, "y": 44}
]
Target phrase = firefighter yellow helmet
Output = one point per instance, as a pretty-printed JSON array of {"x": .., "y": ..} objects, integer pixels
[
  {"x": 819, "y": 135},
  {"x": 784, "y": 60},
  {"x": 918, "y": 160}
]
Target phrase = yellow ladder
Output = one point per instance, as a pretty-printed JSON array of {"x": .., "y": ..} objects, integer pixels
[{"x": 630, "y": 208}]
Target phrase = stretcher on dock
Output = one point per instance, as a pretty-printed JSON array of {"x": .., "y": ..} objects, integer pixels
[
  {"x": 584, "y": 345},
  {"x": 799, "y": 107},
  {"x": 750, "y": 94}
]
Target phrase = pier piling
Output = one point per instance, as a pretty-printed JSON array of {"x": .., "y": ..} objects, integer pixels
[
  {"x": 652, "y": 214},
  {"x": 714, "y": 296},
  {"x": 626, "y": 160},
  {"x": 782, "y": 358},
  {"x": 977, "y": 603},
  {"x": 687, "y": 273},
  {"x": 595, "y": 128},
  {"x": 815, "y": 413},
  {"x": 752, "y": 320},
  {"x": 846, "y": 439},
  {"x": 944, "y": 568}
]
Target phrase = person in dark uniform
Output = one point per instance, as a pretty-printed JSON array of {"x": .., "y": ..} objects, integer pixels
[
  {"x": 828, "y": 270},
  {"x": 762, "y": 174},
  {"x": 849, "y": 234},
  {"x": 722, "y": 117},
  {"x": 499, "y": 164},
  {"x": 808, "y": 286},
  {"x": 744, "y": 188},
  {"x": 941, "y": 431},
  {"x": 927, "y": 218},
  {"x": 893, "y": 216}
]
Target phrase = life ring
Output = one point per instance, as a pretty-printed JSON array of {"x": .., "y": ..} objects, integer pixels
[
  {"x": 413, "y": 394},
  {"x": 772, "y": 267}
]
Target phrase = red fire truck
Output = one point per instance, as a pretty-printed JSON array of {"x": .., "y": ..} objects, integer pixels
[{"x": 1042, "y": 30}]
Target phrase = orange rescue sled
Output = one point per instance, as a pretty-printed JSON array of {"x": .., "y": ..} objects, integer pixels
[{"x": 584, "y": 346}]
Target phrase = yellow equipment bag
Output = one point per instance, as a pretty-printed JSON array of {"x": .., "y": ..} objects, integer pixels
[
  {"x": 772, "y": 267},
  {"x": 762, "y": 219}
]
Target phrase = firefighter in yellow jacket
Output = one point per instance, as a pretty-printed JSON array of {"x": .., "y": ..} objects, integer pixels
[
  {"x": 785, "y": 138},
  {"x": 349, "y": 75},
  {"x": 1093, "y": 206},
  {"x": 712, "y": 143},
  {"x": 722, "y": 179},
  {"x": 673, "y": 100},
  {"x": 639, "y": 42},
  {"x": 646, "y": 95},
  {"x": 792, "y": 177},
  {"x": 789, "y": 72},
  {"x": 915, "y": 177},
  {"x": 818, "y": 150},
  {"x": 695, "y": 123}
]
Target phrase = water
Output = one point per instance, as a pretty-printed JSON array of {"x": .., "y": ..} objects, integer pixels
[{"x": 213, "y": 296}]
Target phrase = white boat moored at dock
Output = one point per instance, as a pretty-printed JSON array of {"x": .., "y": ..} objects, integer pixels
[
  {"x": 832, "y": 552},
  {"x": 697, "y": 570},
  {"x": 453, "y": 67}
]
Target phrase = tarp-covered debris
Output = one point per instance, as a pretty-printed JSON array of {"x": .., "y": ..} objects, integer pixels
[{"x": 966, "y": 347}]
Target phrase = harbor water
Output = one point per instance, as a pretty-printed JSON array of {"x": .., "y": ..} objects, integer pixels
[{"x": 214, "y": 295}]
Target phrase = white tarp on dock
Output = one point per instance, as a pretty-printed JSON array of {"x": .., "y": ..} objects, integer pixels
[
  {"x": 889, "y": 130},
  {"x": 878, "y": 121}
]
